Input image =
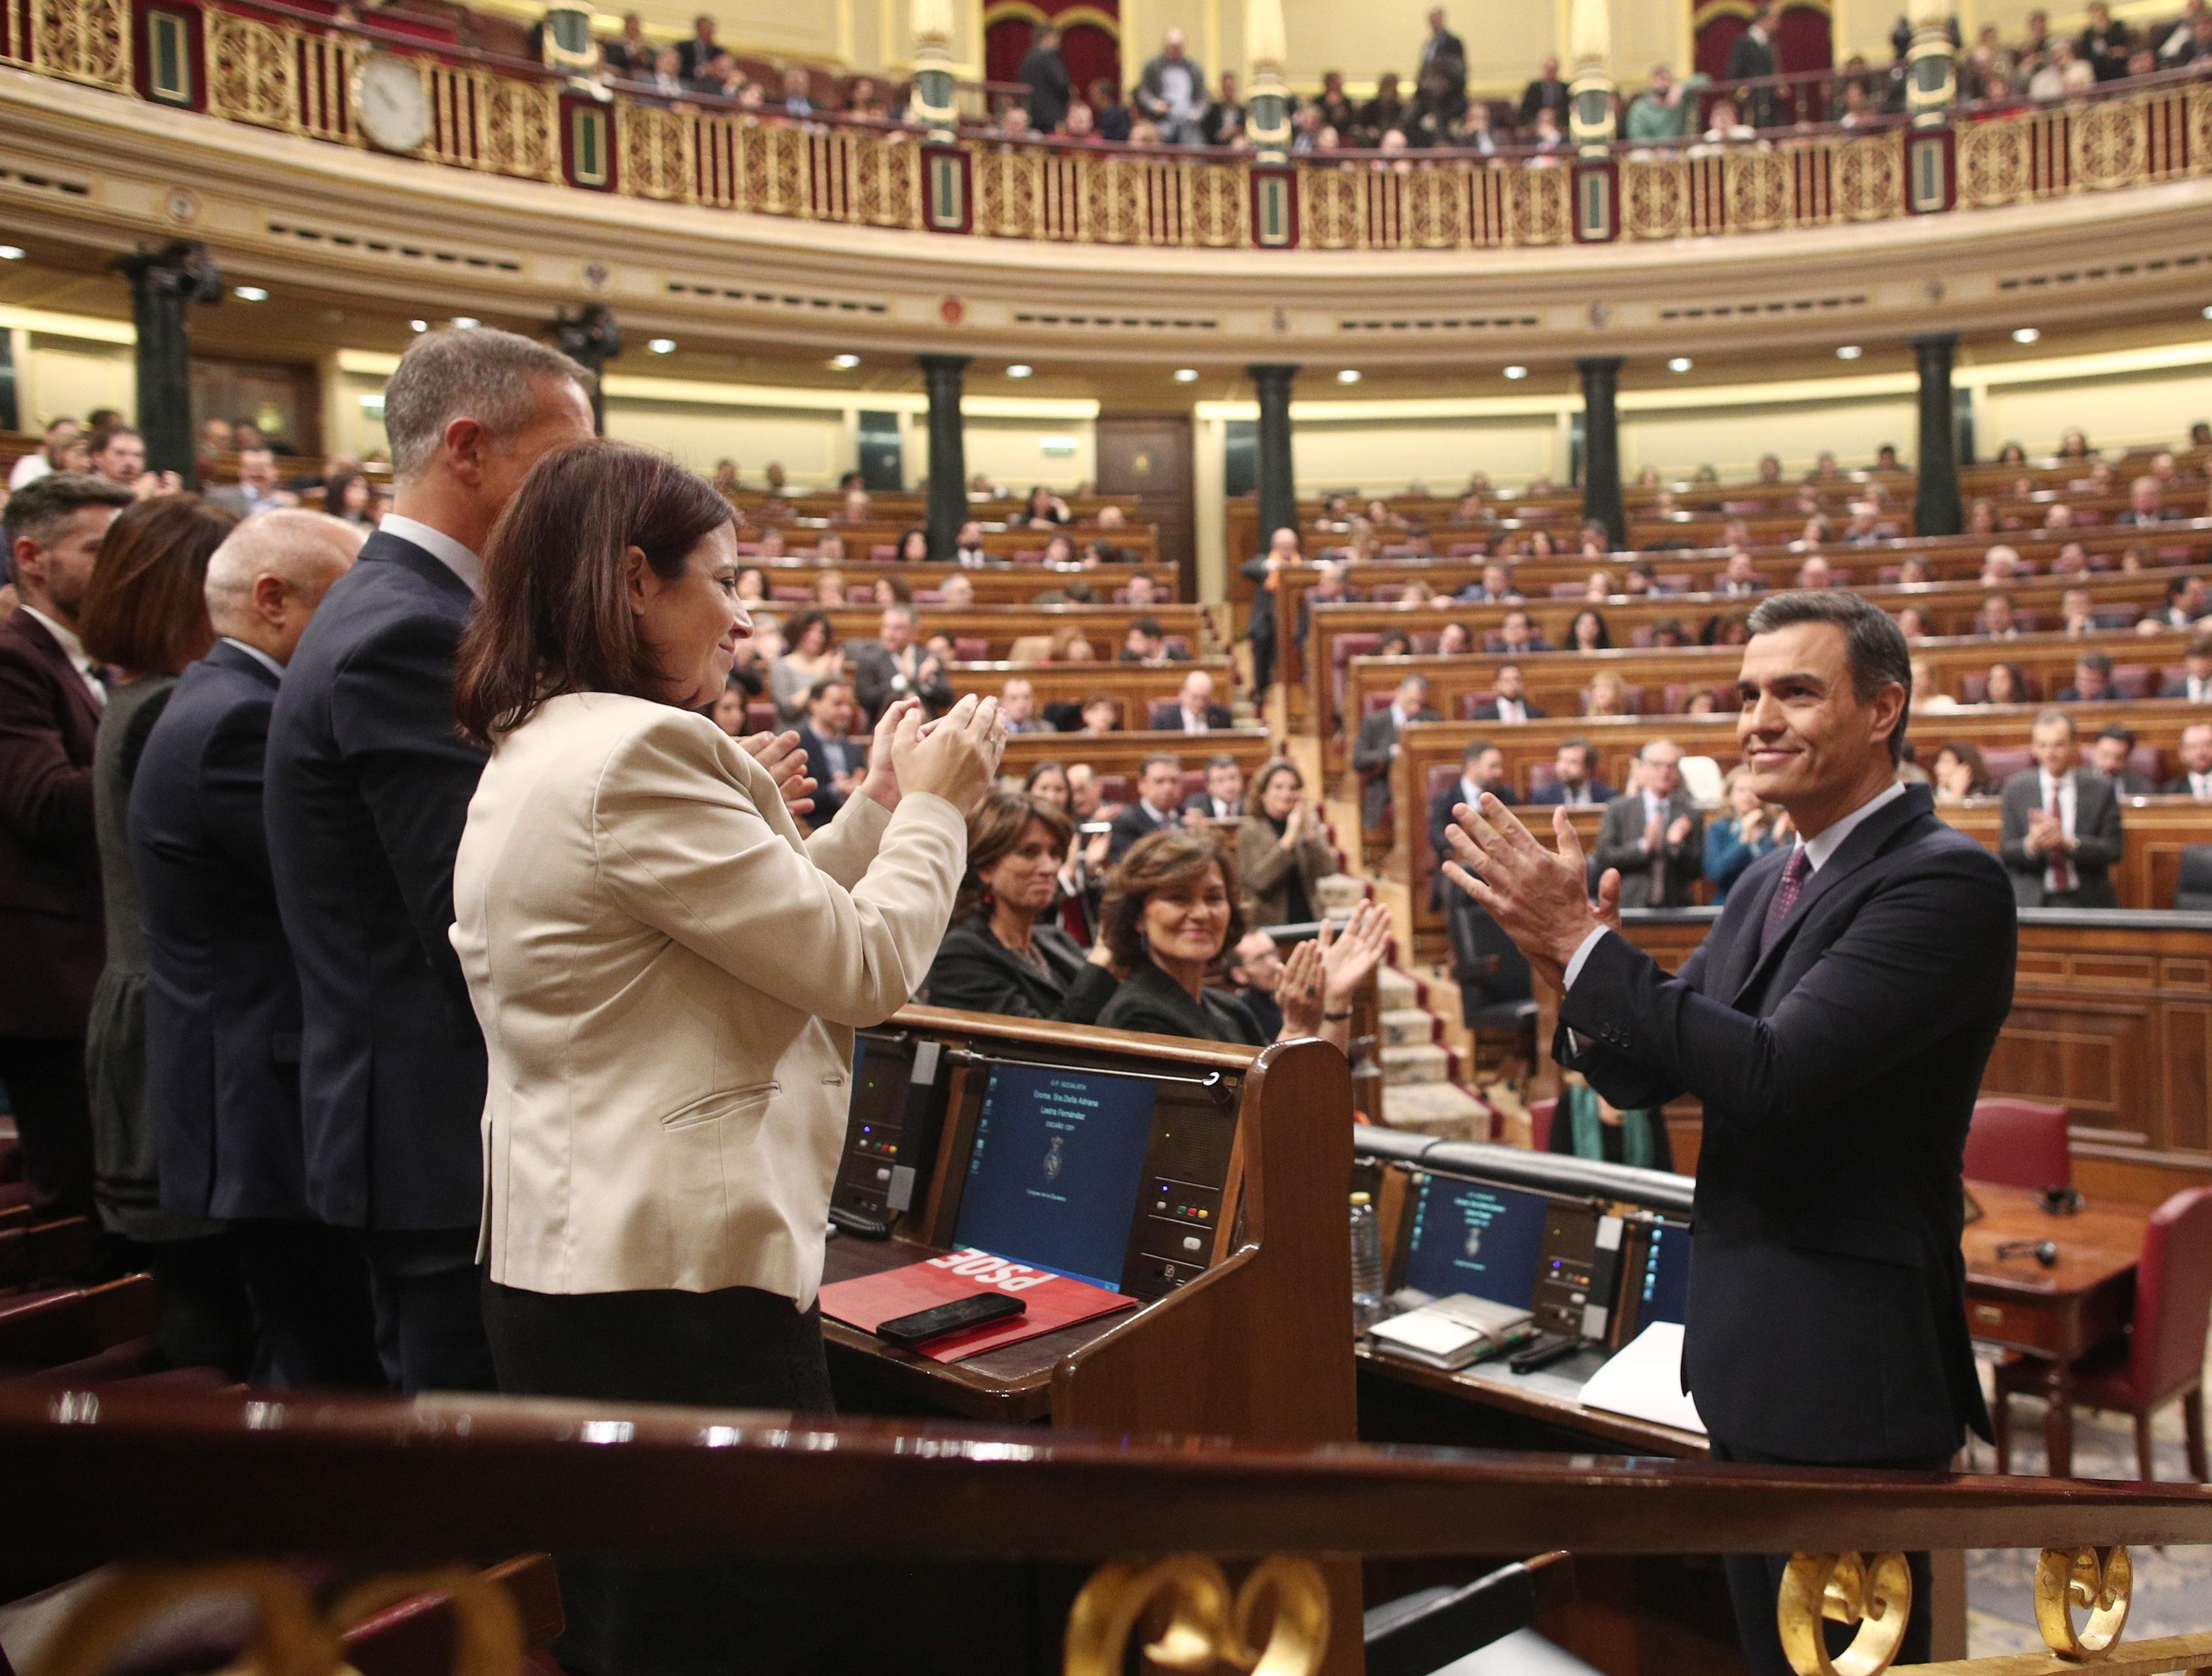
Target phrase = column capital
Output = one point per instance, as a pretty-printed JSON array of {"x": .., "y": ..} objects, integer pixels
[
  {"x": 1600, "y": 364},
  {"x": 940, "y": 365},
  {"x": 165, "y": 280},
  {"x": 1927, "y": 340},
  {"x": 591, "y": 338},
  {"x": 182, "y": 269}
]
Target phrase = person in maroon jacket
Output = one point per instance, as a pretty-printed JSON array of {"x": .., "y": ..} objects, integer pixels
[{"x": 51, "y": 700}]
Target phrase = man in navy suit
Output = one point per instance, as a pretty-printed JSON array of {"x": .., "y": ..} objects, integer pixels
[
  {"x": 1835, "y": 1023},
  {"x": 368, "y": 786},
  {"x": 1574, "y": 778},
  {"x": 222, "y": 1000},
  {"x": 835, "y": 760}
]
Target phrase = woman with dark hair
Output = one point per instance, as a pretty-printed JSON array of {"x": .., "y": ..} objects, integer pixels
[
  {"x": 348, "y": 497},
  {"x": 752, "y": 586},
  {"x": 145, "y": 613},
  {"x": 1171, "y": 913},
  {"x": 1002, "y": 954},
  {"x": 1589, "y": 632},
  {"x": 1059, "y": 549},
  {"x": 1281, "y": 855},
  {"x": 810, "y": 654},
  {"x": 2006, "y": 684},
  {"x": 1043, "y": 507},
  {"x": 1047, "y": 783},
  {"x": 1959, "y": 773},
  {"x": 669, "y": 977},
  {"x": 914, "y": 545},
  {"x": 893, "y": 590},
  {"x": 1395, "y": 644}
]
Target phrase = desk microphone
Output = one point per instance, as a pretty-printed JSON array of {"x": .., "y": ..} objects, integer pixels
[{"x": 2046, "y": 1252}]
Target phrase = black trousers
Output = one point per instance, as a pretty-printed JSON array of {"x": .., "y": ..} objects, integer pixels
[
  {"x": 1755, "y": 1580},
  {"x": 1263, "y": 661},
  {"x": 206, "y": 1320},
  {"x": 314, "y": 1323},
  {"x": 424, "y": 1285},
  {"x": 736, "y": 1348},
  {"x": 44, "y": 1077}
]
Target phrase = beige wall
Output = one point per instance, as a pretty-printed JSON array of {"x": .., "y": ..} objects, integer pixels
[
  {"x": 2150, "y": 406},
  {"x": 1731, "y": 439},
  {"x": 815, "y": 446},
  {"x": 1384, "y": 455},
  {"x": 869, "y": 35},
  {"x": 1012, "y": 451},
  {"x": 72, "y": 375}
]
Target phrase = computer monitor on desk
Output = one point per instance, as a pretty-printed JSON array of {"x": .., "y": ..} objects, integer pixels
[
  {"x": 1658, "y": 1287},
  {"x": 1542, "y": 1252}
]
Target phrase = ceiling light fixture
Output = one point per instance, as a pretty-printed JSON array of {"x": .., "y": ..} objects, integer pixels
[
  {"x": 1349, "y": 376},
  {"x": 1517, "y": 372},
  {"x": 250, "y": 293},
  {"x": 1019, "y": 370},
  {"x": 661, "y": 345},
  {"x": 418, "y": 325},
  {"x": 2026, "y": 335},
  {"x": 1189, "y": 375},
  {"x": 844, "y": 363},
  {"x": 1849, "y": 352},
  {"x": 15, "y": 254},
  {"x": 1680, "y": 363},
  {"x": 465, "y": 321}
]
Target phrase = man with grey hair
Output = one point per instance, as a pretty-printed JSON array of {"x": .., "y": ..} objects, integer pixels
[
  {"x": 368, "y": 786},
  {"x": 222, "y": 998}
]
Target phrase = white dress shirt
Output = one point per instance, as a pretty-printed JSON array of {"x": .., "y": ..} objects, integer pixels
[
  {"x": 2058, "y": 870},
  {"x": 2200, "y": 786},
  {"x": 2197, "y": 688},
  {"x": 73, "y": 649},
  {"x": 440, "y": 546},
  {"x": 29, "y": 470},
  {"x": 1512, "y": 709},
  {"x": 256, "y": 654},
  {"x": 1817, "y": 852}
]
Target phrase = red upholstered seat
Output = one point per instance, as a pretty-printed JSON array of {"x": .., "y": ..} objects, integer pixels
[
  {"x": 971, "y": 648},
  {"x": 2019, "y": 1143},
  {"x": 2131, "y": 680},
  {"x": 882, "y": 552},
  {"x": 1116, "y": 789},
  {"x": 1541, "y": 1112},
  {"x": 2005, "y": 760},
  {"x": 2161, "y": 1357}
]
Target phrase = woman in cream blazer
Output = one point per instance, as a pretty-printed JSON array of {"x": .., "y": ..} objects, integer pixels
[{"x": 669, "y": 976}]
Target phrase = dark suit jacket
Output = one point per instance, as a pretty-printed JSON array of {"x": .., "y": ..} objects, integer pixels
[
  {"x": 1371, "y": 756},
  {"x": 1167, "y": 716},
  {"x": 828, "y": 800},
  {"x": 1133, "y": 823},
  {"x": 2176, "y": 688},
  {"x": 1621, "y": 844},
  {"x": 1555, "y": 793},
  {"x": 367, "y": 789},
  {"x": 1045, "y": 74},
  {"x": 1202, "y": 806},
  {"x": 49, "y": 915},
  {"x": 2132, "y": 785},
  {"x": 2096, "y": 836},
  {"x": 976, "y": 972},
  {"x": 875, "y": 670},
  {"x": 1827, "y": 1317},
  {"x": 1489, "y": 711},
  {"x": 1447, "y": 797},
  {"x": 1259, "y": 624},
  {"x": 2178, "y": 786},
  {"x": 1152, "y": 1001},
  {"x": 222, "y": 1000}
]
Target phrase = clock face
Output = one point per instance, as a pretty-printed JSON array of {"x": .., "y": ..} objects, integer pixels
[{"x": 391, "y": 104}]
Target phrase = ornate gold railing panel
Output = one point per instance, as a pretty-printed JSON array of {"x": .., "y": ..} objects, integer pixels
[{"x": 298, "y": 78}]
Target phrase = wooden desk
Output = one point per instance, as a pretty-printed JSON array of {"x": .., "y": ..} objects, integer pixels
[
  {"x": 1549, "y": 1397},
  {"x": 2058, "y": 1314},
  {"x": 1124, "y": 753},
  {"x": 1135, "y": 687},
  {"x": 1000, "y": 627}
]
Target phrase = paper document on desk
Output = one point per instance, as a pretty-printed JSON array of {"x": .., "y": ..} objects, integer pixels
[{"x": 1645, "y": 1381}]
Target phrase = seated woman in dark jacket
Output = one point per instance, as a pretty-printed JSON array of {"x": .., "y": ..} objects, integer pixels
[
  {"x": 1169, "y": 913},
  {"x": 1281, "y": 852},
  {"x": 1585, "y": 1126},
  {"x": 1000, "y": 955}
]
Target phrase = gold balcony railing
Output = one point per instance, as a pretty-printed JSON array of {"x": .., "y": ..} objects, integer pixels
[{"x": 260, "y": 63}]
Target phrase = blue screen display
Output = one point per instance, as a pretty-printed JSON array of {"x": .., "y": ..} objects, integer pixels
[
  {"x": 1470, "y": 1238},
  {"x": 1662, "y": 1291},
  {"x": 1053, "y": 1176}
]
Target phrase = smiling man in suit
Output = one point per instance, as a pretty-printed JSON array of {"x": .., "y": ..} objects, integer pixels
[
  {"x": 368, "y": 785},
  {"x": 1835, "y": 1023},
  {"x": 51, "y": 701},
  {"x": 223, "y": 997}
]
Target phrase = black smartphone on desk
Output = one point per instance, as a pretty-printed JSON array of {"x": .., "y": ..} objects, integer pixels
[{"x": 924, "y": 1325}]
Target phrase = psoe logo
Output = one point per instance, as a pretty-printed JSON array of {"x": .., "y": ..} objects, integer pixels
[{"x": 988, "y": 1271}]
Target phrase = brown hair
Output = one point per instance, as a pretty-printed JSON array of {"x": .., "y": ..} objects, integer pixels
[
  {"x": 1172, "y": 860},
  {"x": 555, "y": 617},
  {"x": 994, "y": 830},
  {"x": 145, "y": 610}
]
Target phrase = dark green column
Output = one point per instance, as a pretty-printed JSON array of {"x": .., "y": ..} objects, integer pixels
[
  {"x": 1278, "y": 487},
  {"x": 948, "y": 452},
  {"x": 591, "y": 338},
  {"x": 163, "y": 283},
  {"x": 1935, "y": 511},
  {"x": 1602, "y": 446}
]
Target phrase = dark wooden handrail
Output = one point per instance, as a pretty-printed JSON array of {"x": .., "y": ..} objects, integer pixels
[{"x": 123, "y": 1474}]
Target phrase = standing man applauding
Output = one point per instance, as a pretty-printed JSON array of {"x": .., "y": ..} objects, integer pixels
[
  {"x": 368, "y": 785},
  {"x": 1835, "y": 1024}
]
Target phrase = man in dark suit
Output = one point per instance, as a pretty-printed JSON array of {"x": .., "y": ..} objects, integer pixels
[
  {"x": 893, "y": 666},
  {"x": 1574, "y": 777},
  {"x": 1222, "y": 800},
  {"x": 368, "y": 786},
  {"x": 1509, "y": 701},
  {"x": 222, "y": 998},
  {"x": 1752, "y": 58},
  {"x": 1481, "y": 769},
  {"x": 1654, "y": 834},
  {"x": 1044, "y": 73},
  {"x": 2060, "y": 831},
  {"x": 51, "y": 700},
  {"x": 1260, "y": 625},
  {"x": 2195, "y": 682},
  {"x": 1547, "y": 93},
  {"x": 1444, "y": 56},
  {"x": 835, "y": 760},
  {"x": 2194, "y": 780},
  {"x": 1192, "y": 709},
  {"x": 1849, "y": 994},
  {"x": 1377, "y": 747},
  {"x": 693, "y": 54},
  {"x": 2092, "y": 683},
  {"x": 1158, "y": 805},
  {"x": 2110, "y": 754}
]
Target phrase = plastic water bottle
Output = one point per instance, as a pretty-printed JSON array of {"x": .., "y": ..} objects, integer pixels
[{"x": 1366, "y": 1263}]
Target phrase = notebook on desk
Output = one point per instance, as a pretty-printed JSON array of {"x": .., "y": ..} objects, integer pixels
[{"x": 1452, "y": 1332}]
